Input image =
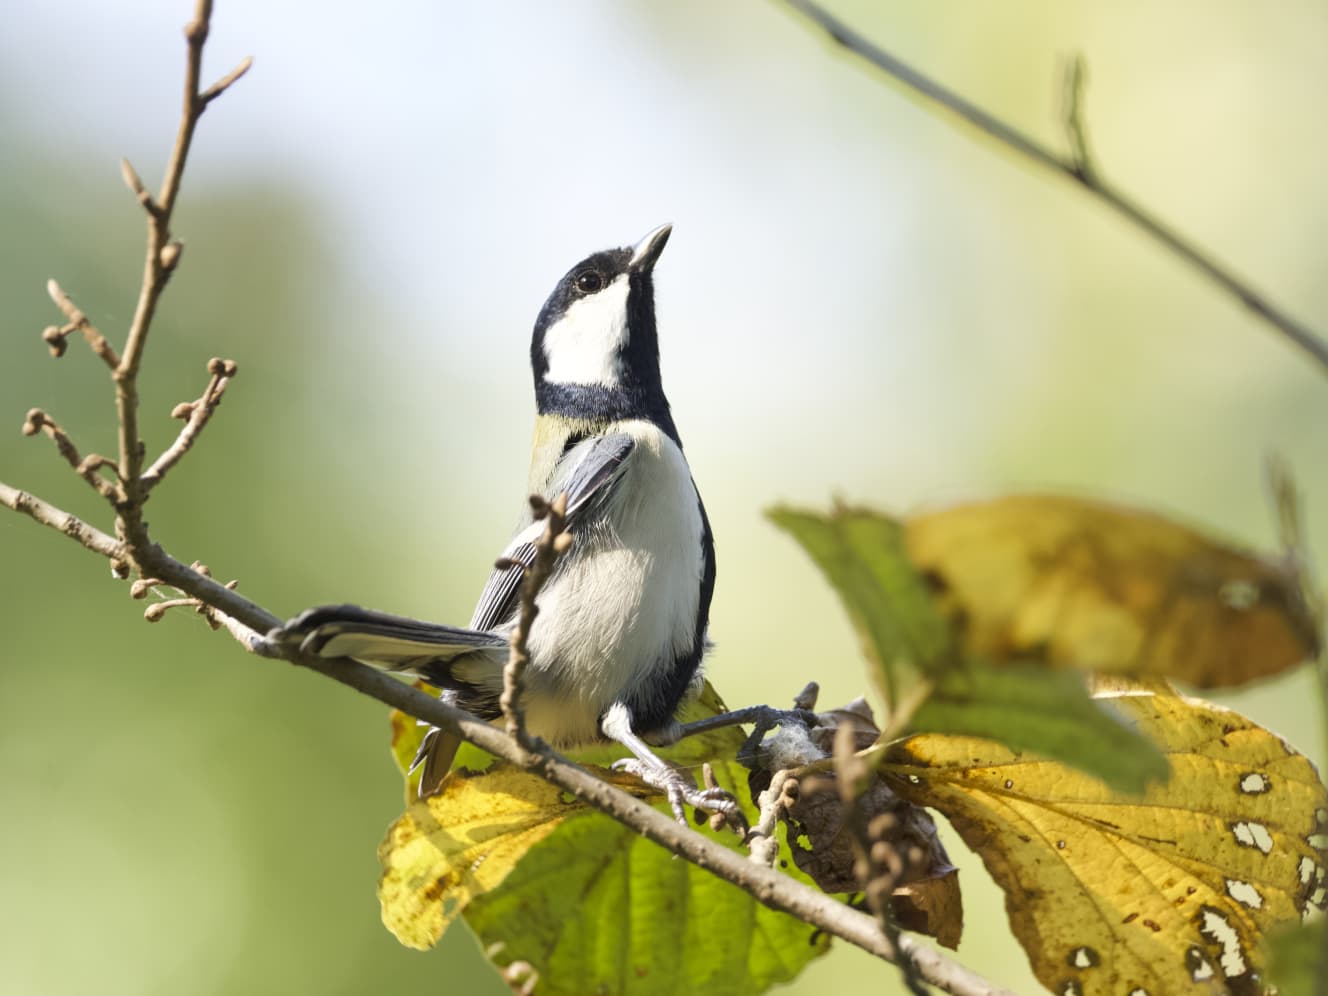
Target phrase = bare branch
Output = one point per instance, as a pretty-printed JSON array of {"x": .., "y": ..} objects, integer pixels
[
  {"x": 72, "y": 526},
  {"x": 223, "y": 84},
  {"x": 78, "y": 321},
  {"x": 163, "y": 254},
  {"x": 1285, "y": 495},
  {"x": 1297, "y": 332},
  {"x": 196, "y": 415},
  {"x": 553, "y": 542},
  {"x": 140, "y": 192},
  {"x": 86, "y": 468}
]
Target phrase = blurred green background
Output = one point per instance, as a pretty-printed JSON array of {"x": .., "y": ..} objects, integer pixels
[{"x": 858, "y": 299}]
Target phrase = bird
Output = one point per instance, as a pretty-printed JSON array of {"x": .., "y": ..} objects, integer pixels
[{"x": 618, "y": 643}]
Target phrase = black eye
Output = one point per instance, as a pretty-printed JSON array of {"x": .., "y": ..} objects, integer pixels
[{"x": 589, "y": 281}]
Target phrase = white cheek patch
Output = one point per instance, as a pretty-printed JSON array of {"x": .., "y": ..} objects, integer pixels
[{"x": 583, "y": 346}]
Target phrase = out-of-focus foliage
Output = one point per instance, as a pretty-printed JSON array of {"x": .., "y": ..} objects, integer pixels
[
  {"x": 862, "y": 555},
  {"x": 1300, "y": 958},
  {"x": 1085, "y": 584},
  {"x": 897, "y": 612}
]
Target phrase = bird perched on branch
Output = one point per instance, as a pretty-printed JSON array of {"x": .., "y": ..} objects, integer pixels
[{"x": 621, "y": 630}]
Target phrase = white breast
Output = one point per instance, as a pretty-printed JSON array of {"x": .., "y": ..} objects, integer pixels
[{"x": 625, "y": 605}]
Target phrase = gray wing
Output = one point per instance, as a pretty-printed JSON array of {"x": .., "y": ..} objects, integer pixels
[{"x": 591, "y": 480}]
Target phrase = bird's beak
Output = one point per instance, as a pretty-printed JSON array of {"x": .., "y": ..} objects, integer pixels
[{"x": 649, "y": 248}]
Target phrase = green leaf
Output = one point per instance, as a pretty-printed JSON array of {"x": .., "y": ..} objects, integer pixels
[
  {"x": 595, "y": 908},
  {"x": 862, "y": 554},
  {"x": 588, "y": 905},
  {"x": 1299, "y": 958},
  {"x": 1027, "y": 707}
]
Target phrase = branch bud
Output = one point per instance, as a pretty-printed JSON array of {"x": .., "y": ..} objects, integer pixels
[
  {"x": 55, "y": 338},
  {"x": 170, "y": 255}
]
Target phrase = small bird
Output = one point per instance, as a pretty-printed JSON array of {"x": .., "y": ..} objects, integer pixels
[{"x": 621, "y": 630}]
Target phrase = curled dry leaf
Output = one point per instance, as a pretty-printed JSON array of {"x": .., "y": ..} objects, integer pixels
[
  {"x": 926, "y": 898},
  {"x": 1087, "y": 584},
  {"x": 1161, "y": 895}
]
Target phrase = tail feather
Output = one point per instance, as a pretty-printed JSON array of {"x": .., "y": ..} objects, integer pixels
[
  {"x": 395, "y": 643},
  {"x": 467, "y": 663}
]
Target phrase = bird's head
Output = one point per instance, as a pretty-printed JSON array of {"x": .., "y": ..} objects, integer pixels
[{"x": 596, "y": 332}]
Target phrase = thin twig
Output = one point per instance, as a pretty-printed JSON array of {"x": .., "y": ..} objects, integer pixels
[
  {"x": 1285, "y": 496},
  {"x": 877, "y": 864},
  {"x": 85, "y": 467},
  {"x": 78, "y": 321},
  {"x": 1297, "y": 332},
  {"x": 1076, "y": 74},
  {"x": 196, "y": 415},
  {"x": 223, "y": 84},
  {"x": 163, "y": 255},
  {"x": 552, "y": 542}
]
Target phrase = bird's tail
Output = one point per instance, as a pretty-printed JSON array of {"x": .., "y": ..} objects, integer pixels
[{"x": 466, "y": 663}]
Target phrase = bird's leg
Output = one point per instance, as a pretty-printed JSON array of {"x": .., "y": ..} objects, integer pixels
[
  {"x": 765, "y": 718},
  {"x": 677, "y": 785}
]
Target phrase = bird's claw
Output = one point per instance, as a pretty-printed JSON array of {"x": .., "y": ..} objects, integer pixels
[{"x": 682, "y": 792}]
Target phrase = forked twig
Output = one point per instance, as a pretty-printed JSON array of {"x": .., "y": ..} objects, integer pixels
[
  {"x": 196, "y": 415},
  {"x": 85, "y": 467}
]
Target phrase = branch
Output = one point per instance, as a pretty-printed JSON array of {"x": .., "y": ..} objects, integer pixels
[
  {"x": 552, "y": 543},
  {"x": 78, "y": 321},
  {"x": 1076, "y": 168},
  {"x": 61, "y": 521},
  {"x": 196, "y": 415},
  {"x": 247, "y": 621},
  {"x": 85, "y": 467},
  {"x": 163, "y": 254}
]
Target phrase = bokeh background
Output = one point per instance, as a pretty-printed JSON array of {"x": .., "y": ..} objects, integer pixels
[{"x": 859, "y": 298}]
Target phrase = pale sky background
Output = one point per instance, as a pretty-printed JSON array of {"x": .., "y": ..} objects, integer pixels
[{"x": 859, "y": 298}]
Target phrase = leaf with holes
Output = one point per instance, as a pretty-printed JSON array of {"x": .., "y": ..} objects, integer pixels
[
  {"x": 1087, "y": 584},
  {"x": 862, "y": 554},
  {"x": 558, "y": 890},
  {"x": 1160, "y": 895}
]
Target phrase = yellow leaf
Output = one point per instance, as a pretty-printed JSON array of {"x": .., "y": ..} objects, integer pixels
[
  {"x": 1163, "y": 894},
  {"x": 461, "y": 843},
  {"x": 1082, "y": 583}
]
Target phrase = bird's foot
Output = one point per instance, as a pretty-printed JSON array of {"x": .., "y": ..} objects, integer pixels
[{"x": 682, "y": 792}]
